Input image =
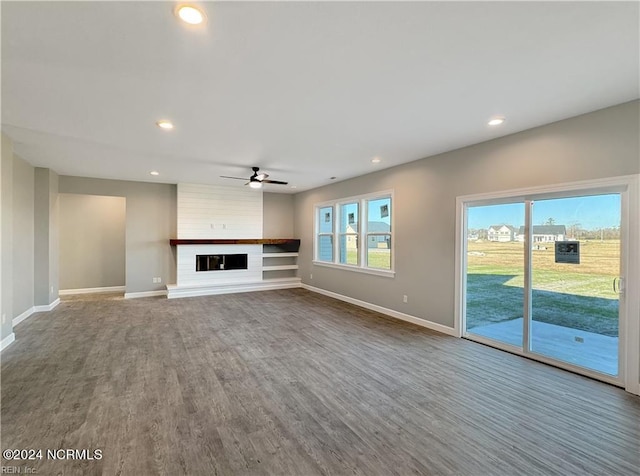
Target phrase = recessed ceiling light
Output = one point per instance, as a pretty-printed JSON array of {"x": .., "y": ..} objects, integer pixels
[
  {"x": 376, "y": 160},
  {"x": 164, "y": 124},
  {"x": 190, "y": 14},
  {"x": 496, "y": 121},
  {"x": 154, "y": 172}
]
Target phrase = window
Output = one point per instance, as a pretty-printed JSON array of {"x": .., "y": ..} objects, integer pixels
[
  {"x": 379, "y": 233},
  {"x": 345, "y": 239},
  {"x": 324, "y": 242},
  {"x": 349, "y": 233}
]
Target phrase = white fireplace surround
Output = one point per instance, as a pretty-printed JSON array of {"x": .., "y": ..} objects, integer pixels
[
  {"x": 221, "y": 213},
  {"x": 201, "y": 283},
  {"x": 186, "y": 265}
]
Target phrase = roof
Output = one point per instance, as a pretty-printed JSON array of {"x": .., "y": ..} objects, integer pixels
[
  {"x": 497, "y": 227},
  {"x": 546, "y": 230},
  {"x": 376, "y": 227}
]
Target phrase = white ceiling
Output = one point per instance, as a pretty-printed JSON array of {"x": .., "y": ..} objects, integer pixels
[{"x": 306, "y": 91}]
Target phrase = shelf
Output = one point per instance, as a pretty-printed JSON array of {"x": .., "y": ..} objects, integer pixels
[
  {"x": 281, "y": 280},
  {"x": 280, "y": 267},
  {"x": 175, "y": 291},
  {"x": 243, "y": 241},
  {"x": 279, "y": 261}
]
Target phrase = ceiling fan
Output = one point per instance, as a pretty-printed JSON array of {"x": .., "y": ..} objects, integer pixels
[{"x": 256, "y": 180}]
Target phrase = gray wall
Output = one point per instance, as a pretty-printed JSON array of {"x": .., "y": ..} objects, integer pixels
[
  {"x": 54, "y": 244},
  {"x": 6, "y": 194},
  {"x": 92, "y": 241},
  {"x": 23, "y": 236},
  {"x": 150, "y": 224},
  {"x": 277, "y": 215},
  {"x": 3, "y": 317},
  {"x": 596, "y": 145},
  {"x": 45, "y": 219}
]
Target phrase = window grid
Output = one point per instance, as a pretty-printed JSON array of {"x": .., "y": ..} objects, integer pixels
[
  {"x": 370, "y": 249},
  {"x": 348, "y": 224},
  {"x": 325, "y": 242}
]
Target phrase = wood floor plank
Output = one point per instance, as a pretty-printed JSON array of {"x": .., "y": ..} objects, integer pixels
[{"x": 294, "y": 383}]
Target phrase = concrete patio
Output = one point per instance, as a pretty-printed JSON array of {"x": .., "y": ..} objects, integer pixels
[{"x": 585, "y": 349}]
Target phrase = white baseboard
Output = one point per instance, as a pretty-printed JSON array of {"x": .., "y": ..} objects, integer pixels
[
  {"x": 7, "y": 341},
  {"x": 144, "y": 294},
  {"x": 388, "y": 312},
  {"x": 109, "y": 289},
  {"x": 18, "y": 319},
  {"x": 33, "y": 309},
  {"x": 175, "y": 291},
  {"x": 47, "y": 307}
]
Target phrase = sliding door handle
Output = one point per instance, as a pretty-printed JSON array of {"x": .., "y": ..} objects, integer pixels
[{"x": 618, "y": 285}]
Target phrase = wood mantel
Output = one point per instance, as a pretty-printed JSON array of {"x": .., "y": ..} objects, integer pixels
[{"x": 240, "y": 241}]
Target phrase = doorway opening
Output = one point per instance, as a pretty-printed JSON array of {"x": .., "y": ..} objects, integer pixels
[{"x": 92, "y": 244}]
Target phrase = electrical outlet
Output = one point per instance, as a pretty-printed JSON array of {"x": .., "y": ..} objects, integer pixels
[
  {"x": 4, "y": 318},
  {"x": 51, "y": 289},
  {"x": 156, "y": 280},
  {"x": 311, "y": 276},
  {"x": 405, "y": 298}
]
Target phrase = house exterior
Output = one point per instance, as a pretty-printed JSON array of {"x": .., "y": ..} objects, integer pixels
[
  {"x": 501, "y": 233},
  {"x": 373, "y": 241},
  {"x": 544, "y": 233}
]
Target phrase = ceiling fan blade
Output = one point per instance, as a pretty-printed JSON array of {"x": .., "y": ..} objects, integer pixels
[
  {"x": 276, "y": 182},
  {"x": 256, "y": 177}
]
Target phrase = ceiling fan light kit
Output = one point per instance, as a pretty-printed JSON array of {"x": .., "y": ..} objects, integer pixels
[{"x": 256, "y": 180}]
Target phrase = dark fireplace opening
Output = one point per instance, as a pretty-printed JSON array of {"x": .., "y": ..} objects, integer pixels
[{"x": 221, "y": 262}]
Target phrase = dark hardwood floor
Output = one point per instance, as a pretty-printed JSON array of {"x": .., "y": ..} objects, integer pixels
[{"x": 291, "y": 382}]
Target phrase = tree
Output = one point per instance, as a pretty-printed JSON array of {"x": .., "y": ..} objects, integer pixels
[
  {"x": 550, "y": 221},
  {"x": 574, "y": 230}
]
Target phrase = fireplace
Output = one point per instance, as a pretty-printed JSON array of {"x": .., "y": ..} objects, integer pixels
[
  {"x": 221, "y": 266},
  {"x": 221, "y": 262}
]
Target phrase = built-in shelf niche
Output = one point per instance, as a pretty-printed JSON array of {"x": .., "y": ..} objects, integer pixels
[{"x": 280, "y": 260}]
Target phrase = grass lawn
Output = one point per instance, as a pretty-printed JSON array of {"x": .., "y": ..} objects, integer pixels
[
  {"x": 577, "y": 296},
  {"x": 379, "y": 258}
]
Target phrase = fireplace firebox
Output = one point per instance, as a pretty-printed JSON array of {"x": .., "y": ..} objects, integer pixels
[{"x": 221, "y": 262}]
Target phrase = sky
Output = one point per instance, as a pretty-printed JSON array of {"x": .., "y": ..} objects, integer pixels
[
  {"x": 591, "y": 212},
  {"x": 378, "y": 210}
]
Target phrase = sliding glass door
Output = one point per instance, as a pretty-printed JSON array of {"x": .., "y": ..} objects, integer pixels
[
  {"x": 495, "y": 273},
  {"x": 542, "y": 277},
  {"x": 575, "y": 268}
]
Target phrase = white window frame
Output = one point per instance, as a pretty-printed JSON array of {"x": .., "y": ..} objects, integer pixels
[
  {"x": 362, "y": 235},
  {"x": 341, "y": 234},
  {"x": 318, "y": 233},
  {"x": 629, "y": 346}
]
